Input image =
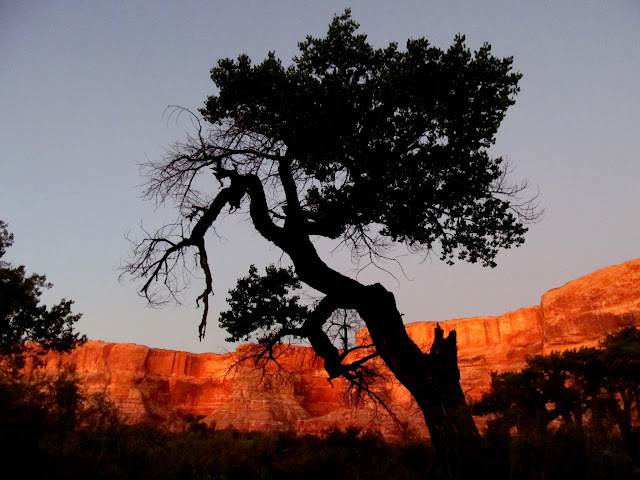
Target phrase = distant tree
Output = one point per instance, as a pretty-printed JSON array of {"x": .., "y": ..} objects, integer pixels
[
  {"x": 515, "y": 401},
  {"x": 599, "y": 385},
  {"x": 23, "y": 318},
  {"x": 620, "y": 363},
  {"x": 558, "y": 386},
  {"x": 365, "y": 146}
]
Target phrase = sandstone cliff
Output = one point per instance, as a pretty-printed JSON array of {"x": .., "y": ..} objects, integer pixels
[{"x": 162, "y": 386}]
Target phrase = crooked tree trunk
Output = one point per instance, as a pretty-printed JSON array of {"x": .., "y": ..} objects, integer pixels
[{"x": 432, "y": 378}]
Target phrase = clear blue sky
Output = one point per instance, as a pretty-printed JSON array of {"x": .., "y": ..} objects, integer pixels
[{"x": 84, "y": 86}]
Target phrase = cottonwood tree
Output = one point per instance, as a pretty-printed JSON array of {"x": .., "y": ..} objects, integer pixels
[{"x": 366, "y": 146}]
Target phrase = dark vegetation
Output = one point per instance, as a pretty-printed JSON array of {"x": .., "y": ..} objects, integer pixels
[
  {"x": 583, "y": 405},
  {"x": 569, "y": 415},
  {"x": 116, "y": 451},
  {"x": 23, "y": 318},
  {"x": 53, "y": 430},
  {"x": 374, "y": 149}
]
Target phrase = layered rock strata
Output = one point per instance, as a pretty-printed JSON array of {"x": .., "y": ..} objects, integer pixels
[{"x": 167, "y": 388}]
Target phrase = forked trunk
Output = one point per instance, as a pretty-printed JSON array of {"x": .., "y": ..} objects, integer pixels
[
  {"x": 432, "y": 378},
  {"x": 446, "y": 413}
]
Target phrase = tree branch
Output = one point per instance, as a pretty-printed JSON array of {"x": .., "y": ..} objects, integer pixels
[{"x": 293, "y": 210}]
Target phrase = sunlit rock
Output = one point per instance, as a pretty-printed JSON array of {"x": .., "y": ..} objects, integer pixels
[{"x": 169, "y": 389}]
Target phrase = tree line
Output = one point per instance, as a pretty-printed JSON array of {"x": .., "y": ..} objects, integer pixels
[{"x": 590, "y": 389}]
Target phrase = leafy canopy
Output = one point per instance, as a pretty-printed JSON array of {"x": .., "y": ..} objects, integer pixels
[
  {"x": 383, "y": 139},
  {"x": 594, "y": 384},
  {"x": 22, "y": 317},
  {"x": 369, "y": 146},
  {"x": 263, "y": 303}
]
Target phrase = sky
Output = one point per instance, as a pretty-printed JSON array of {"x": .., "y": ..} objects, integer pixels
[{"x": 84, "y": 88}]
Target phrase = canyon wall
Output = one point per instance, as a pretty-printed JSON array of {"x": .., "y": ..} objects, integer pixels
[{"x": 168, "y": 388}]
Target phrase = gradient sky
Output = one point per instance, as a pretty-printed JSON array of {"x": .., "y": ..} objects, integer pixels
[{"x": 84, "y": 86}]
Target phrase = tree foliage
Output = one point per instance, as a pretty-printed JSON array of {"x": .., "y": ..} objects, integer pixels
[
  {"x": 383, "y": 136},
  {"x": 22, "y": 317},
  {"x": 263, "y": 304},
  {"x": 351, "y": 142},
  {"x": 598, "y": 386}
]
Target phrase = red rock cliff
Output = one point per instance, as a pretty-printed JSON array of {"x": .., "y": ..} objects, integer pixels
[{"x": 162, "y": 386}]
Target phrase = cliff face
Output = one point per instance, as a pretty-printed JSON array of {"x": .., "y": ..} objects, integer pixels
[
  {"x": 162, "y": 386},
  {"x": 583, "y": 311}
]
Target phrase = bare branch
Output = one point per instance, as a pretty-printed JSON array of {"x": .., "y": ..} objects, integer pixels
[
  {"x": 155, "y": 257},
  {"x": 526, "y": 207},
  {"x": 204, "y": 296}
]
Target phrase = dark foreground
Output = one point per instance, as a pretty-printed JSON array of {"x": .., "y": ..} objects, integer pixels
[
  {"x": 120, "y": 452},
  {"x": 50, "y": 430}
]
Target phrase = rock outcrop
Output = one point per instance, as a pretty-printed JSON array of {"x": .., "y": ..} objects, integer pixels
[{"x": 165, "y": 387}]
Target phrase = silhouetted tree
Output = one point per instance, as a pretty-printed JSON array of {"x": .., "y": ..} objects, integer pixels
[
  {"x": 557, "y": 386},
  {"x": 516, "y": 402},
  {"x": 23, "y": 318},
  {"x": 620, "y": 364},
  {"x": 599, "y": 385},
  {"x": 365, "y": 146}
]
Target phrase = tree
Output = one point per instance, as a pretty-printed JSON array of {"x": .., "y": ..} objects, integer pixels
[
  {"x": 563, "y": 386},
  {"x": 366, "y": 146},
  {"x": 620, "y": 367},
  {"x": 601, "y": 385},
  {"x": 22, "y": 318}
]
